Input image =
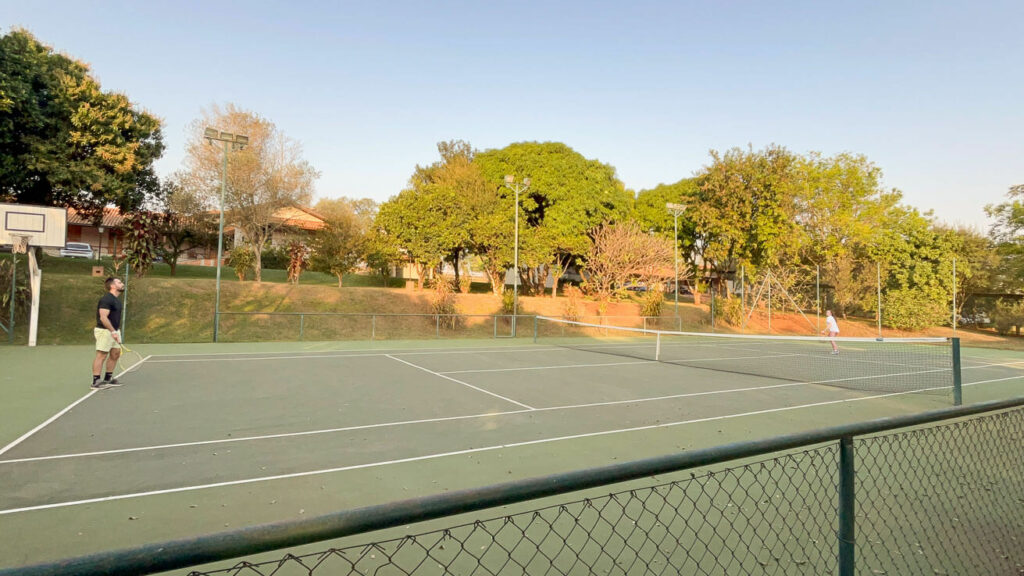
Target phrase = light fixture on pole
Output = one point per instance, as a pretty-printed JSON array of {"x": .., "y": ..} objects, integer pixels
[
  {"x": 99, "y": 250},
  {"x": 231, "y": 142},
  {"x": 676, "y": 210},
  {"x": 517, "y": 187}
]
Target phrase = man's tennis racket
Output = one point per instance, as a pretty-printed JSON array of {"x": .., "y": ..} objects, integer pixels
[{"x": 129, "y": 359}]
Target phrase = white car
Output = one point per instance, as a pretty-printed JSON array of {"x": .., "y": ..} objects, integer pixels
[{"x": 76, "y": 250}]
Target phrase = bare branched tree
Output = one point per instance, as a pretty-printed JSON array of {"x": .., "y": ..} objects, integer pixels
[
  {"x": 267, "y": 175},
  {"x": 622, "y": 253}
]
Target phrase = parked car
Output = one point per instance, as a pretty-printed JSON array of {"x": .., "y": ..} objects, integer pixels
[
  {"x": 977, "y": 319},
  {"x": 76, "y": 250}
]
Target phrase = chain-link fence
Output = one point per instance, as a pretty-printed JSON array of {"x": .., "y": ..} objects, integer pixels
[
  {"x": 941, "y": 500},
  {"x": 933, "y": 499}
]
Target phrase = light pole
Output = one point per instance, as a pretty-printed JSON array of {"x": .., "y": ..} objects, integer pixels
[
  {"x": 231, "y": 142},
  {"x": 517, "y": 187},
  {"x": 676, "y": 210}
]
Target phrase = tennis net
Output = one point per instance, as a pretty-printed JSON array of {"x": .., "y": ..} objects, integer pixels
[{"x": 880, "y": 365}]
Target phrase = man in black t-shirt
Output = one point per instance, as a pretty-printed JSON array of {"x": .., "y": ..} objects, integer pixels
[{"x": 108, "y": 334}]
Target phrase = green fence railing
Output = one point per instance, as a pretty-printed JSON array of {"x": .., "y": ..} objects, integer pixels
[
  {"x": 898, "y": 495},
  {"x": 299, "y": 326}
]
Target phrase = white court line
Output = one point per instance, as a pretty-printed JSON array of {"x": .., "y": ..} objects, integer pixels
[
  {"x": 453, "y": 418},
  {"x": 461, "y": 382},
  {"x": 992, "y": 365},
  {"x": 353, "y": 355},
  {"x": 731, "y": 358},
  {"x": 434, "y": 456},
  {"x": 29, "y": 434},
  {"x": 403, "y": 423},
  {"x": 345, "y": 353},
  {"x": 446, "y": 419},
  {"x": 549, "y": 367}
]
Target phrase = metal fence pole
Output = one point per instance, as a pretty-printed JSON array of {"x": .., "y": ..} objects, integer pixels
[
  {"x": 958, "y": 388},
  {"x": 373, "y": 327},
  {"x": 817, "y": 298},
  {"x": 14, "y": 277},
  {"x": 302, "y": 325},
  {"x": 124, "y": 305},
  {"x": 847, "y": 507},
  {"x": 878, "y": 271},
  {"x": 437, "y": 325},
  {"x": 954, "y": 297},
  {"x": 712, "y": 291},
  {"x": 535, "y": 329}
]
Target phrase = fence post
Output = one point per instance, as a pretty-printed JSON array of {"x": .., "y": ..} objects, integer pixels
[
  {"x": 437, "y": 325},
  {"x": 958, "y": 388},
  {"x": 494, "y": 317},
  {"x": 14, "y": 278},
  {"x": 373, "y": 327},
  {"x": 302, "y": 325},
  {"x": 535, "y": 329},
  {"x": 847, "y": 507}
]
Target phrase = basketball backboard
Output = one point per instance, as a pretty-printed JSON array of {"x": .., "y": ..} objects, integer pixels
[{"x": 44, "y": 225}]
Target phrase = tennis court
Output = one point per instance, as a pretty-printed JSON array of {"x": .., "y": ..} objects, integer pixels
[{"x": 203, "y": 438}]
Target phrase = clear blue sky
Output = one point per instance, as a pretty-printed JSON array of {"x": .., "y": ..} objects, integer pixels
[{"x": 931, "y": 91}]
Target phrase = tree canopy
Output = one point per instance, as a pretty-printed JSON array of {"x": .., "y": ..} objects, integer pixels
[
  {"x": 569, "y": 197},
  {"x": 66, "y": 142}
]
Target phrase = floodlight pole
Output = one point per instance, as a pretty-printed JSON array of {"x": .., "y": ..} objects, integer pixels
[
  {"x": 231, "y": 142},
  {"x": 517, "y": 187},
  {"x": 676, "y": 210}
]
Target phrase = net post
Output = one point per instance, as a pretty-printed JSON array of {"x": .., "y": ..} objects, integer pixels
[
  {"x": 958, "y": 391},
  {"x": 657, "y": 346},
  {"x": 847, "y": 507}
]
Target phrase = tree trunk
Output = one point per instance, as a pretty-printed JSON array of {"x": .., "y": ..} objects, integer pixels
[
  {"x": 421, "y": 270},
  {"x": 455, "y": 263},
  {"x": 497, "y": 281},
  {"x": 339, "y": 280},
  {"x": 174, "y": 266}
]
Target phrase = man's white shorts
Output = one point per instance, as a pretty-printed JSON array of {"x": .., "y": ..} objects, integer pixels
[{"x": 105, "y": 340}]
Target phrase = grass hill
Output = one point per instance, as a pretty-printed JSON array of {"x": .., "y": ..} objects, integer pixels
[{"x": 161, "y": 308}]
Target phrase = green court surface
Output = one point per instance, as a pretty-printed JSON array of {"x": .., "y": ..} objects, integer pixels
[{"x": 204, "y": 437}]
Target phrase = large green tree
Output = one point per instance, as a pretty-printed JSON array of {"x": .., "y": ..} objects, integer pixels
[
  {"x": 341, "y": 245},
  {"x": 745, "y": 210},
  {"x": 183, "y": 223},
  {"x": 568, "y": 198},
  {"x": 841, "y": 209},
  {"x": 1007, "y": 233},
  {"x": 652, "y": 214},
  {"x": 66, "y": 142},
  {"x": 438, "y": 216}
]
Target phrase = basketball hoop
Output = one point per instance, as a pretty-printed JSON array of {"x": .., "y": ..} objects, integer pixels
[{"x": 20, "y": 244}]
